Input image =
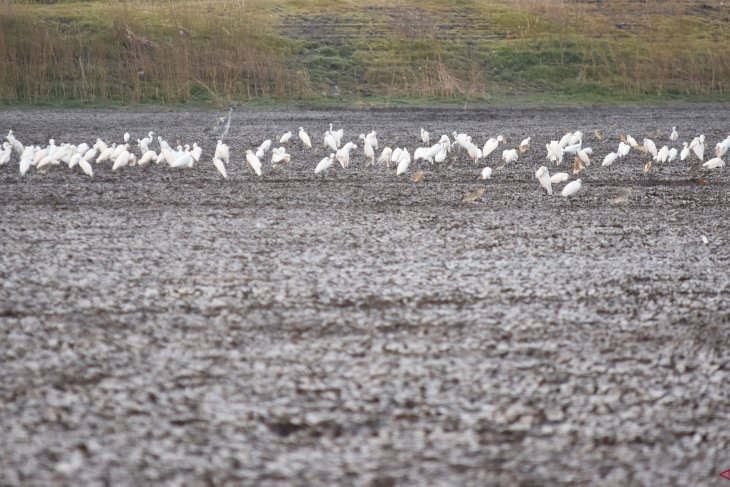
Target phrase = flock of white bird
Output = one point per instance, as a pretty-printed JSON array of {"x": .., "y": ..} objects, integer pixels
[{"x": 185, "y": 156}]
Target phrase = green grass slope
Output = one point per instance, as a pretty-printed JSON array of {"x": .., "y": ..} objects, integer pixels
[{"x": 369, "y": 52}]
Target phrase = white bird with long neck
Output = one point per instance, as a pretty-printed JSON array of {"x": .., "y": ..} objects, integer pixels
[
  {"x": 674, "y": 135},
  {"x": 490, "y": 146},
  {"x": 324, "y": 164},
  {"x": 337, "y": 134},
  {"x": 343, "y": 155},
  {"x": 253, "y": 162},
  {"x": 662, "y": 154},
  {"x": 304, "y": 137},
  {"x": 17, "y": 145},
  {"x": 543, "y": 175},
  {"x": 571, "y": 188},
  {"x": 144, "y": 144},
  {"x": 699, "y": 147}
]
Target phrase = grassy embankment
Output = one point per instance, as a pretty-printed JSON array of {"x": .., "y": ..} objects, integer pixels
[{"x": 377, "y": 52}]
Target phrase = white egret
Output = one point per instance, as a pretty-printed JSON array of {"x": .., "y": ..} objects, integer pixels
[
  {"x": 304, "y": 137},
  {"x": 253, "y": 162},
  {"x": 714, "y": 163},
  {"x": 220, "y": 167},
  {"x": 650, "y": 147},
  {"x": 672, "y": 154},
  {"x": 285, "y": 138},
  {"x": 487, "y": 173},
  {"x": 543, "y": 176},
  {"x": 571, "y": 188},
  {"x": 385, "y": 156},
  {"x": 685, "y": 152},
  {"x": 623, "y": 149},
  {"x": 525, "y": 145},
  {"x": 609, "y": 159},
  {"x": 324, "y": 164},
  {"x": 509, "y": 155},
  {"x": 674, "y": 135},
  {"x": 559, "y": 177},
  {"x": 279, "y": 158},
  {"x": 147, "y": 157},
  {"x": 404, "y": 161},
  {"x": 222, "y": 152},
  {"x": 424, "y": 136}
]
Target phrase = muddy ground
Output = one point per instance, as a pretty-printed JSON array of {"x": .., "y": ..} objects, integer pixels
[{"x": 164, "y": 326}]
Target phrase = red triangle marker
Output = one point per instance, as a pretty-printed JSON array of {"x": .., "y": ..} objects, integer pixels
[{"x": 725, "y": 474}]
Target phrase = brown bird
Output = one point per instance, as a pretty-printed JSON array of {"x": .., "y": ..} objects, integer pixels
[{"x": 474, "y": 195}]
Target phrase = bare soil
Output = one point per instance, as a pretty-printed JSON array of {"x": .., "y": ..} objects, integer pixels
[{"x": 161, "y": 326}]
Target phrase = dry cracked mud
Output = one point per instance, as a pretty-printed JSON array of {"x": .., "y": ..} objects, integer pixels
[{"x": 172, "y": 327}]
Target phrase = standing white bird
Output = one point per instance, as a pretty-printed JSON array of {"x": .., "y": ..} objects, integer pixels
[
  {"x": 487, "y": 173},
  {"x": 285, "y": 138},
  {"x": 343, "y": 155},
  {"x": 474, "y": 152},
  {"x": 253, "y": 162},
  {"x": 369, "y": 154},
  {"x": 674, "y": 135},
  {"x": 555, "y": 152},
  {"x": 424, "y": 136},
  {"x": 126, "y": 137},
  {"x": 330, "y": 142},
  {"x": 5, "y": 154},
  {"x": 222, "y": 152},
  {"x": 324, "y": 164},
  {"x": 86, "y": 167},
  {"x": 304, "y": 137},
  {"x": 609, "y": 159},
  {"x": 220, "y": 167},
  {"x": 122, "y": 160},
  {"x": 508, "y": 156},
  {"x": 672, "y": 154},
  {"x": 490, "y": 145},
  {"x": 623, "y": 149},
  {"x": 543, "y": 176},
  {"x": 385, "y": 157},
  {"x": 525, "y": 145},
  {"x": 650, "y": 147},
  {"x": 685, "y": 152},
  {"x": 404, "y": 160},
  {"x": 699, "y": 147},
  {"x": 571, "y": 188},
  {"x": 662, "y": 155}
]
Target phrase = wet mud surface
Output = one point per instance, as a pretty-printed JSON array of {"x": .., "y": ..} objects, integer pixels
[{"x": 162, "y": 326}]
